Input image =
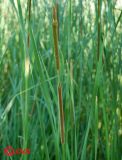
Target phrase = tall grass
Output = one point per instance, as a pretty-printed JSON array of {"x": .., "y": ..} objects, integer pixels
[
  {"x": 57, "y": 59},
  {"x": 61, "y": 79}
]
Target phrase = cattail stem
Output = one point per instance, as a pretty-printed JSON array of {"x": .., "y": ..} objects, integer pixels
[
  {"x": 60, "y": 100},
  {"x": 55, "y": 36}
]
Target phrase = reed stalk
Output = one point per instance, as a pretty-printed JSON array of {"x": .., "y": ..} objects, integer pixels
[
  {"x": 55, "y": 36},
  {"x": 57, "y": 59}
]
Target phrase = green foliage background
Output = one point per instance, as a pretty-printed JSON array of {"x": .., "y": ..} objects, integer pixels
[{"x": 92, "y": 87}]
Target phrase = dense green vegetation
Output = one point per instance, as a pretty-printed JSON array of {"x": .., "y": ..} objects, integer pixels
[{"x": 89, "y": 38}]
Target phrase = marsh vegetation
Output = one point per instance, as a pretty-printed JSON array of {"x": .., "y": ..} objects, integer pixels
[{"x": 61, "y": 79}]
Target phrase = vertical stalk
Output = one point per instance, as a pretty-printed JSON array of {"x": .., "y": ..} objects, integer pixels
[
  {"x": 55, "y": 37},
  {"x": 99, "y": 30},
  {"x": 69, "y": 29},
  {"x": 57, "y": 59},
  {"x": 72, "y": 116},
  {"x": 61, "y": 112},
  {"x": 27, "y": 70},
  {"x": 96, "y": 95},
  {"x": 29, "y": 18}
]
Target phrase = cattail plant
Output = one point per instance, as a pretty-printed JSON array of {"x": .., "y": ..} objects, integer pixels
[
  {"x": 57, "y": 59},
  {"x": 55, "y": 37}
]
